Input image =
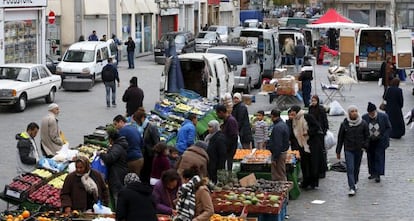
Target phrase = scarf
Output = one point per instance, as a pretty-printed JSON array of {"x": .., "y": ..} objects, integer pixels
[
  {"x": 186, "y": 200},
  {"x": 356, "y": 122},
  {"x": 215, "y": 125},
  {"x": 89, "y": 184},
  {"x": 300, "y": 129}
]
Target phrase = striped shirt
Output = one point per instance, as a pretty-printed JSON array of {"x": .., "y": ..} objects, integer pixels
[{"x": 261, "y": 131}]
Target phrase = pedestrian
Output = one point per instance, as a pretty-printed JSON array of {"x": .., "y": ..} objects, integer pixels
[
  {"x": 379, "y": 140},
  {"x": 289, "y": 51},
  {"x": 205, "y": 28},
  {"x": 241, "y": 114},
  {"x": 387, "y": 73},
  {"x": 319, "y": 113},
  {"x": 165, "y": 192},
  {"x": 130, "y": 50},
  {"x": 135, "y": 143},
  {"x": 395, "y": 102},
  {"x": 173, "y": 156},
  {"x": 133, "y": 97},
  {"x": 186, "y": 135},
  {"x": 28, "y": 154},
  {"x": 261, "y": 133},
  {"x": 151, "y": 137},
  {"x": 160, "y": 162},
  {"x": 194, "y": 200},
  {"x": 117, "y": 43},
  {"x": 81, "y": 38},
  {"x": 230, "y": 131},
  {"x": 195, "y": 156},
  {"x": 83, "y": 188},
  {"x": 294, "y": 144},
  {"x": 93, "y": 36},
  {"x": 310, "y": 139},
  {"x": 135, "y": 201},
  {"x": 109, "y": 76},
  {"x": 103, "y": 38},
  {"x": 353, "y": 135},
  {"x": 216, "y": 150},
  {"x": 300, "y": 52},
  {"x": 306, "y": 77},
  {"x": 278, "y": 144},
  {"x": 50, "y": 134},
  {"x": 115, "y": 159}
]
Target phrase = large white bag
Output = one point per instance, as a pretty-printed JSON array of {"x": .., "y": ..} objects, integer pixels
[
  {"x": 335, "y": 109},
  {"x": 330, "y": 140}
]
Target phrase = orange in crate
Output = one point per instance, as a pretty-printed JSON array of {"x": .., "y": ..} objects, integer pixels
[{"x": 241, "y": 153}]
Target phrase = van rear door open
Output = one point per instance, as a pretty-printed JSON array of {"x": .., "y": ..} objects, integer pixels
[
  {"x": 346, "y": 47},
  {"x": 403, "y": 46}
]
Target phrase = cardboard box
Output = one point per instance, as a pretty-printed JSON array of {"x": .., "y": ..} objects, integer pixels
[
  {"x": 268, "y": 87},
  {"x": 248, "y": 99},
  {"x": 286, "y": 86},
  {"x": 280, "y": 73}
]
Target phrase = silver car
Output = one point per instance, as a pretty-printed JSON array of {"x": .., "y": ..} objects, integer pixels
[{"x": 206, "y": 39}]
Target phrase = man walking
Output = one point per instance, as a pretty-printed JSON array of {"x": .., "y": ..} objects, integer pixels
[
  {"x": 379, "y": 139},
  {"x": 278, "y": 144},
  {"x": 109, "y": 76},
  {"x": 28, "y": 154},
  {"x": 50, "y": 134},
  {"x": 131, "y": 50}
]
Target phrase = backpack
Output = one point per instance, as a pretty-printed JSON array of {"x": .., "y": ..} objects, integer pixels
[{"x": 107, "y": 74}]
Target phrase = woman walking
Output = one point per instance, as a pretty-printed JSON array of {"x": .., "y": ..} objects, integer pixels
[{"x": 395, "y": 102}]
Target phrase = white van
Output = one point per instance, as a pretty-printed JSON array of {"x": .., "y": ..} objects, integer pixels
[
  {"x": 208, "y": 74},
  {"x": 82, "y": 63},
  {"x": 371, "y": 48}
]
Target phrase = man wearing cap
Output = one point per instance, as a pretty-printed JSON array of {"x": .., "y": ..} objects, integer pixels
[
  {"x": 242, "y": 116},
  {"x": 50, "y": 133},
  {"x": 379, "y": 139}
]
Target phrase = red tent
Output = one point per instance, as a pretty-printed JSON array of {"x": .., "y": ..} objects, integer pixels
[{"x": 332, "y": 16}]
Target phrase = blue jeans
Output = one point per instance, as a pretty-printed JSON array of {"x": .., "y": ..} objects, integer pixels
[
  {"x": 289, "y": 59},
  {"x": 131, "y": 59},
  {"x": 299, "y": 64},
  {"x": 353, "y": 162},
  {"x": 306, "y": 92},
  {"x": 110, "y": 86}
]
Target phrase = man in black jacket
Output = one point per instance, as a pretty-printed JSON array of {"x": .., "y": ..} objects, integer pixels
[
  {"x": 109, "y": 76},
  {"x": 133, "y": 96},
  {"x": 28, "y": 153},
  {"x": 131, "y": 50},
  {"x": 242, "y": 116}
]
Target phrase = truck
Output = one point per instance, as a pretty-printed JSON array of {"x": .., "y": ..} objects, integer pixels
[{"x": 250, "y": 14}]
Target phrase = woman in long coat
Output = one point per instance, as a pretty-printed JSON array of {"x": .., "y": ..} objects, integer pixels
[{"x": 395, "y": 102}]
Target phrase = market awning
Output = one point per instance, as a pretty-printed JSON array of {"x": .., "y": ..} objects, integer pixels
[
  {"x": 96, "y": 7},
  {"x": 339, "y": 25},
  {"x": 332, "y": 16}
]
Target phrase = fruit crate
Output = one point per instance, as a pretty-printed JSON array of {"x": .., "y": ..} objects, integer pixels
[
  {"x": 14, "y": 192},
  {"x": 254, "y": 167}
]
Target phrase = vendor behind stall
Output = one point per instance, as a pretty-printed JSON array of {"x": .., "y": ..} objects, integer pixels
[{"x": 83, "y": 187}]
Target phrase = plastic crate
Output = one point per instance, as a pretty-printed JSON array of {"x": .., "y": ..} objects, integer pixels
[
  {"x": 274, "y": 217},
  {"x": 255, "y": 167}
]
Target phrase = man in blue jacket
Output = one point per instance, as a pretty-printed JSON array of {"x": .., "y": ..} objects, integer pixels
[
  {"x": 278, "y": 144},
  {"x": 186, "y": 134}
]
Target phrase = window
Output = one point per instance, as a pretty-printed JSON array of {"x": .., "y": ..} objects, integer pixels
[
  {"x": 359, "y": 16},
  {"x": 43, "y": 73},
  {"x": 105, "y": 53},
  {"x": 35, "y": 75},
  {"x": 380, "y": 18}
]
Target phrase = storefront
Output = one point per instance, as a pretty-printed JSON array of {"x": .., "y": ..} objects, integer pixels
[
  {"x": 23, "y": 25},
  {"x": 168, "y": 20},
  {"x": 229, "y": 14}
]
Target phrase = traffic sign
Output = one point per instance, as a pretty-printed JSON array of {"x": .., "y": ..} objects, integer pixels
[{"x": 51, "y": 17}]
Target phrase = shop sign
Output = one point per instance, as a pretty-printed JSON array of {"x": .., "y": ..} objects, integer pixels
[{"x": 22, "y": 3}]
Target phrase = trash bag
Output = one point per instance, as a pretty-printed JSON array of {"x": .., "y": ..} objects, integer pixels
[
  {"x": 330, "y": 140},
  {"x": 335, "y": 109},
  {"x": 339, "y": 166}
]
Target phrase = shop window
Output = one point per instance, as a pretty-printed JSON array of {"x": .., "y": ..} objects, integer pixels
[
  {"x": 380, "y": 18},
  {"x": 147, "y": 33},
  {"x": 20, "y": 41},
  {"x": 138, "y": 33},
  {"x": 359, "y": 16}
]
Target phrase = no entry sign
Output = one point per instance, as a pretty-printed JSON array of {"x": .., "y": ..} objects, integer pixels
[{"x": 51, "y": 17}]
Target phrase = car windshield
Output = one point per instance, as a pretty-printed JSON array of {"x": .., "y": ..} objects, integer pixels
[
  {"x": 220, "y": 29},
  {"x": 207, "y": 35},
  {"x": 235, "y": 56},
  {"x": 17, "y": 74},
  {"x": 79, "y": 56}
]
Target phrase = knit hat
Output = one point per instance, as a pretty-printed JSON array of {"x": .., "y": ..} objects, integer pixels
[
  {"x": 352, "y": 107},
  {"x": 371, "y": 107},
  {"x": 52, "y": 106},
  {"x": 131, "y": 178},
  {"x": 238, "y": 95}
]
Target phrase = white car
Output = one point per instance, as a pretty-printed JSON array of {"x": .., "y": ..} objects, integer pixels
[
  {"x": 206, "y": 39},
  {"x": 20, "y": 83}
]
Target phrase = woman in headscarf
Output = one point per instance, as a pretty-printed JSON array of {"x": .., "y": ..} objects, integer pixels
[
  {"x": 83, "y": 188},
  {"x": 216, "y": 150},
  {"x": 395, "y": 102},
  {"x": 194, "y": 200},
  {"x": 135, "y": 201}
]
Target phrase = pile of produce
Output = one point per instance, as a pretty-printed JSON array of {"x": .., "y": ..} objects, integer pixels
[
  {"x": 46, "y": 194},
  {"x": 217, "y": 217},
  {"x": 242, "y": 153},
  {"x": 88, "y": 150},
  {"x": 15, "y": 215}
]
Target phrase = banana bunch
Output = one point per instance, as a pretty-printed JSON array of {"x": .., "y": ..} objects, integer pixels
[{"x": 42, "y": 173}]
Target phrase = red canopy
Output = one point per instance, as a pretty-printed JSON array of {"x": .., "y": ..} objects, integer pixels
[{"x": 332, "y": 16}]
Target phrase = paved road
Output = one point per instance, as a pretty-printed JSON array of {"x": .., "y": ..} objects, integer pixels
[{"x": 389, "y": 200}]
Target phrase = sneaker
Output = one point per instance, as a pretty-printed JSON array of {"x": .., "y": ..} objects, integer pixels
[
  {"x": 351, "y": 192},
  {"x": 356, "y": 187}
]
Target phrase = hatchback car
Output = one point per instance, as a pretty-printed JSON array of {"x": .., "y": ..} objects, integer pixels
[
  {"x": 20, "y": 83},
  {"x": 223, "y": 31},
  {"x": 245, "y": 63},
  {"x": 184, "y": 43},
  {"x": 206, "y": 39}
]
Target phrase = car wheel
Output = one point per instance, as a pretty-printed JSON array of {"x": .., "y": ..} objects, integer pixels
[
  {"x": 50, "y": 98},
  {"x": 21, "y": 103},
  {"x": 259, "y": 83}
]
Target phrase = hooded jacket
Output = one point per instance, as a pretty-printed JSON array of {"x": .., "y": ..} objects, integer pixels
[
  {"x": 27, "y": 153},
  {"x": 135, "y": 202},
  {"x": 185, "y": 136},
  {"x": 194, "y": 156},
  {"x": 116, "y": 162}
]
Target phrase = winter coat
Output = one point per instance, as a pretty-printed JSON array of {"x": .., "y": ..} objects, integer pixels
[
  {"x": 116, "y": 162},
  {"x": 50, "y": 135},
  {"x": 318, "y": 112},
  {"x": 194, "y": 156},
  {"x": 74, "y": 195},
  {"x": 164, "y": 199},
  {"x": 242, "y": 116},
  {"x": 130, "y": 45},
  {"x": 133, "y": 97},
  {"x": 135, "y": 203},
  {"x": 395, "y": 102},
  {"x": 151, "y": 138},
  {"x": 204, "y": 205},
  {"x": 110, "y": 73},
  {"x": 352, "y": 138},
  {"x": 135, "y": 142},
  {"x": 294, "y": 145},
  {"x": 159, "y": 165},
  {"x": 279, "y": 139},
  {"x": 185, "y": 136},
  {"x": 217, "y": 155},
  {"x": 27, "y": 153},
  {"x": 384, "y": 126}
]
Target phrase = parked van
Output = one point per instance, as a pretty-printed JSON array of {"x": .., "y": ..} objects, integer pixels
[
  {"x": 296, "y": 36},
  {"x": 82, "y": 63},
  {"x": 184, "y": 43},
  {"x": 373, "y": 46},
  {"x": 208, "y": 74},
  {"x": 267, "y": 45}
]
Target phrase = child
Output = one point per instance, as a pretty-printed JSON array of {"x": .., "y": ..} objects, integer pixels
[
  {"x": 260, "y": 131},
  {"x": 174, "y": 156},
  {"x": 160, "y": 162}
]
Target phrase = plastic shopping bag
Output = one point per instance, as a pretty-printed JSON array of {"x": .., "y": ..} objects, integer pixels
[
  {"x": 98, "y": 165},
  {"x": 330, "y": 140},
  {"x": 98, "y": 208},
  {"x": 335, "y": 109}
]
